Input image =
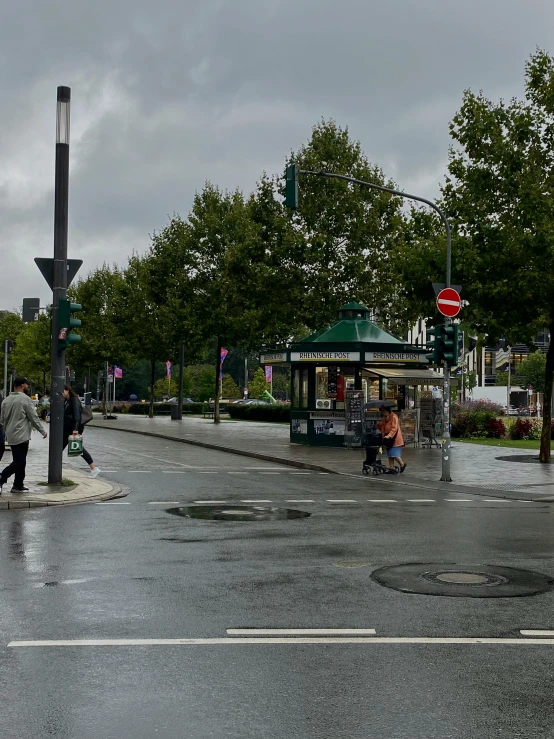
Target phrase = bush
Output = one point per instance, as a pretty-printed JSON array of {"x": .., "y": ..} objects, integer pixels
[
  {"x": 495, "y": 428},
  {"x": 521, "y": 429},
  {"x": 476, "y": 418},
  {"x": 262, "y": 412}
]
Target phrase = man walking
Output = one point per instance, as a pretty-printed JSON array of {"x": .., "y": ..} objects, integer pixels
[{"x": 17, "y": 417}]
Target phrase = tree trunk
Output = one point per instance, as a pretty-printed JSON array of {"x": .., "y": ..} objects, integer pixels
[
  {"x": 217, "y": 381},
  {"x": 152, "y": 381},
  {"x": 544, "y": 455}
]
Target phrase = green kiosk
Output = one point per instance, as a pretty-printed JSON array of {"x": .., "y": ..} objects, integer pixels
[{"x": 338, "y": 369}]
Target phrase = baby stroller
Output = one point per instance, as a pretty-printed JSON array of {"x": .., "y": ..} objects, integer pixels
[{"x": 372, "y": 440}]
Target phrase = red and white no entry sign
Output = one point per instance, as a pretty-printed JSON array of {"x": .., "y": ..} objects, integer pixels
[{"x": 449, "y": 302}]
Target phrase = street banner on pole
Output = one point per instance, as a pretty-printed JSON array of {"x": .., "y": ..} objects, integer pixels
[
  {"x": 224, "y": 353},
  {"x": 118, "y": 373},
  {"x": 269, "y": 373},
  {"x": 168, "y": 369}
]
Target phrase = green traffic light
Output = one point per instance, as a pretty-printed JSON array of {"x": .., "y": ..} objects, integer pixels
[{"x": 66, "y": 323}]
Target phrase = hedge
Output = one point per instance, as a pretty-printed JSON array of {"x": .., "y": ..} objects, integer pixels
[
  {"x": 160, "y": 409},
  {"x": 261, "y": 412}
]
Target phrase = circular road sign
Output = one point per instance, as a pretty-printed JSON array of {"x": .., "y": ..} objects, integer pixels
[{"x": 449, "y": 302}]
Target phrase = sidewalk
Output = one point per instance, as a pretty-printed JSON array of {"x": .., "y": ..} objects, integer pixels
[
  {"x": 474, "y": 467},
  {"x": 85, "y": 490}
]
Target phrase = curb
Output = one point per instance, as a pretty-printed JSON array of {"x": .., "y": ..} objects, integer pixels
[
  {"x": 430, "y": 486},
  {"x": 41, "y": 500}
]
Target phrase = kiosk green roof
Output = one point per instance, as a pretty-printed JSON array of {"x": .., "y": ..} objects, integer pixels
[{"x": 352, "y": 327}]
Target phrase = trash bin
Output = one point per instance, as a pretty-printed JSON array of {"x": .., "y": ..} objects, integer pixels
[{"x": 175, "y": 412}]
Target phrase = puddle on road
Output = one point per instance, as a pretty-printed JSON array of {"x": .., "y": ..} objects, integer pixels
[{"x": 237, "y": 513}]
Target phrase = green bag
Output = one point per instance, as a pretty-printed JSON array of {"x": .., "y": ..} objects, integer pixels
[{"x": 75, "y": 446}]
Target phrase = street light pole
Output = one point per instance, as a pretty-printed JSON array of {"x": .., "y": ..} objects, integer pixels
[
  {"x": 59, "y": 284},
  {"x": 446, "y": 440}
]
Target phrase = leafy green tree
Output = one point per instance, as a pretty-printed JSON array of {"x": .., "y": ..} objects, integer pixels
[
  {"x": 166, "y": 388},
  {"x": 499, "y": 196},
  {"x": 229, "y": 388},
  {"x": 148, "y": 322},
  {"x": 348, "y": 232},
  {"x": 32, "y": 353},
  {"x": 257, "y": 385},
  {"x": 532, "y": 371},
  {"x": 11, "y": 326},
  {"x": 201, "y": 381}
]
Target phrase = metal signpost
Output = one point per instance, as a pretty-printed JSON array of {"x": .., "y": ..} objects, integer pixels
[
  {"x": 291, "y": 200},
  {"x": 59, "y": 272}
]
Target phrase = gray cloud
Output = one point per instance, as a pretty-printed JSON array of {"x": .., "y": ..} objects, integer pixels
[{"x": 169, "y": 94}]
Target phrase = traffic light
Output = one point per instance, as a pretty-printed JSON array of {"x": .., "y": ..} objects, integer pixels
[
  {"x": 436, "y": 346},
  {"x": 450, "y": 345},
  {"x": 66, "y": 323},
  {"x": 291, "y": 187}
]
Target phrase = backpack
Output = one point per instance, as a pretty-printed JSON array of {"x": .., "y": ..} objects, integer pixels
[{"x": 86, "y": 414}]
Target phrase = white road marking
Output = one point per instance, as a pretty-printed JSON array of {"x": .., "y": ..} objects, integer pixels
[
  {"x": 299, "y": 501},
  {"x": 163, "y": 502},
  {"x": 270, "y": 473},
  {"x": 173, "y": 472},
  {"x": 384, "y": 500},
  {"x": 149, "y": 456},
  {"x": 144, "y": 472},
  {"x": 341, "y": 501},
  {"x": 421, "y": 500},
  {"x": 373, "y": 640},
  {"x": 458, "y": 500},
  {"x": 113, "y": 502},
  {"x": 496, "y": 500},
  {"x": 300, "y": 632},
  {"x": 256, "y": 501},
  {"x": 211, "y": 502},
  {"x": 237, "y": 473},
  {"x": 323, "y": 473},
  {"x": 300, "y": 473},
  {"x": 536, "y": 632},
  {"x": 202, "y": 472}
]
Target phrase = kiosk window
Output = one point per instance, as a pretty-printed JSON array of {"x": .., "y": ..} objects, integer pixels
[
  {"x": 304, "y": 389},
  {"x": 296, "y": 388}
]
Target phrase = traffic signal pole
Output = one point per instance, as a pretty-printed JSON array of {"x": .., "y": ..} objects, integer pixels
[
  {"x": 59, "y": 285},
  {"x": 291, "y": 201}
]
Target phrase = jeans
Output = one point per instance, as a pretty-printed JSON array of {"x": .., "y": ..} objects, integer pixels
[{"x": 17, "y": 467}]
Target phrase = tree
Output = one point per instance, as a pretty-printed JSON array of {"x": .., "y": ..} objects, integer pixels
[
  {"x": 499, "y": 196},
  {"x": 165, "y": 388},
  {"x": 201, "y": 381},
  {"x": 532, "y": 371},
  {"x": 148, "y": 321},
  {"x": 32, "y": 352},
  {"x": 257, "y": 385},
  {"x": 11, "y": 326},
  {"x": 229, "y": 388},
  {"x": 348, "y": 231}
]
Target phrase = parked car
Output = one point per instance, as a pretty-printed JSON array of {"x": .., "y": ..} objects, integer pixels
[{"x": 176, "y": 400}]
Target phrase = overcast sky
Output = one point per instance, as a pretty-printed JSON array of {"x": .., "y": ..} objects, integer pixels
[{"x": 168, "y": 94}]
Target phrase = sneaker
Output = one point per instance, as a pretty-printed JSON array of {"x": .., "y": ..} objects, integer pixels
[
  {"x": 19, "y": 490},
  {"x": 95, "y": 472},
  {"x": 402, "y": 469}
]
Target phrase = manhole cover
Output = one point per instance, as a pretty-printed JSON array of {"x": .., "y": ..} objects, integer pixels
[
  {"x": 525, "y": 458},
  {"x": 463, "y": 581},
  {"x": 237, "y": 513}
]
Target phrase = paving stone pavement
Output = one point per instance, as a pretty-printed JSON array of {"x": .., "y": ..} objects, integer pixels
[
  {"x": 85, "y": 489},
  {"x": 473, "y": 465}
]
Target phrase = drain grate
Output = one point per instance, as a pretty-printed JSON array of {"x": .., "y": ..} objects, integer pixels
[
  {"x": 463, "y": 581},
  {"x": 237, "y": 513}
]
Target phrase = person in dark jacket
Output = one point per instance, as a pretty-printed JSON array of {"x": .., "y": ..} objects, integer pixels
[{"x": 72, "y": 425}]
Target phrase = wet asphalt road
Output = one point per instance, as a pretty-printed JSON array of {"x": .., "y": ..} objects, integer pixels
[{"x": 130, "y": 570}]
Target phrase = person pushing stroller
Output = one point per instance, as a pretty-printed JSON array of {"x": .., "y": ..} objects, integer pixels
[{"x": 383, "y": 434}]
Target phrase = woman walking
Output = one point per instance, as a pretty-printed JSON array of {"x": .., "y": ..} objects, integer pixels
[
  {"x": 72, "y": 425},
  {"x": 392, "y": 435}
]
